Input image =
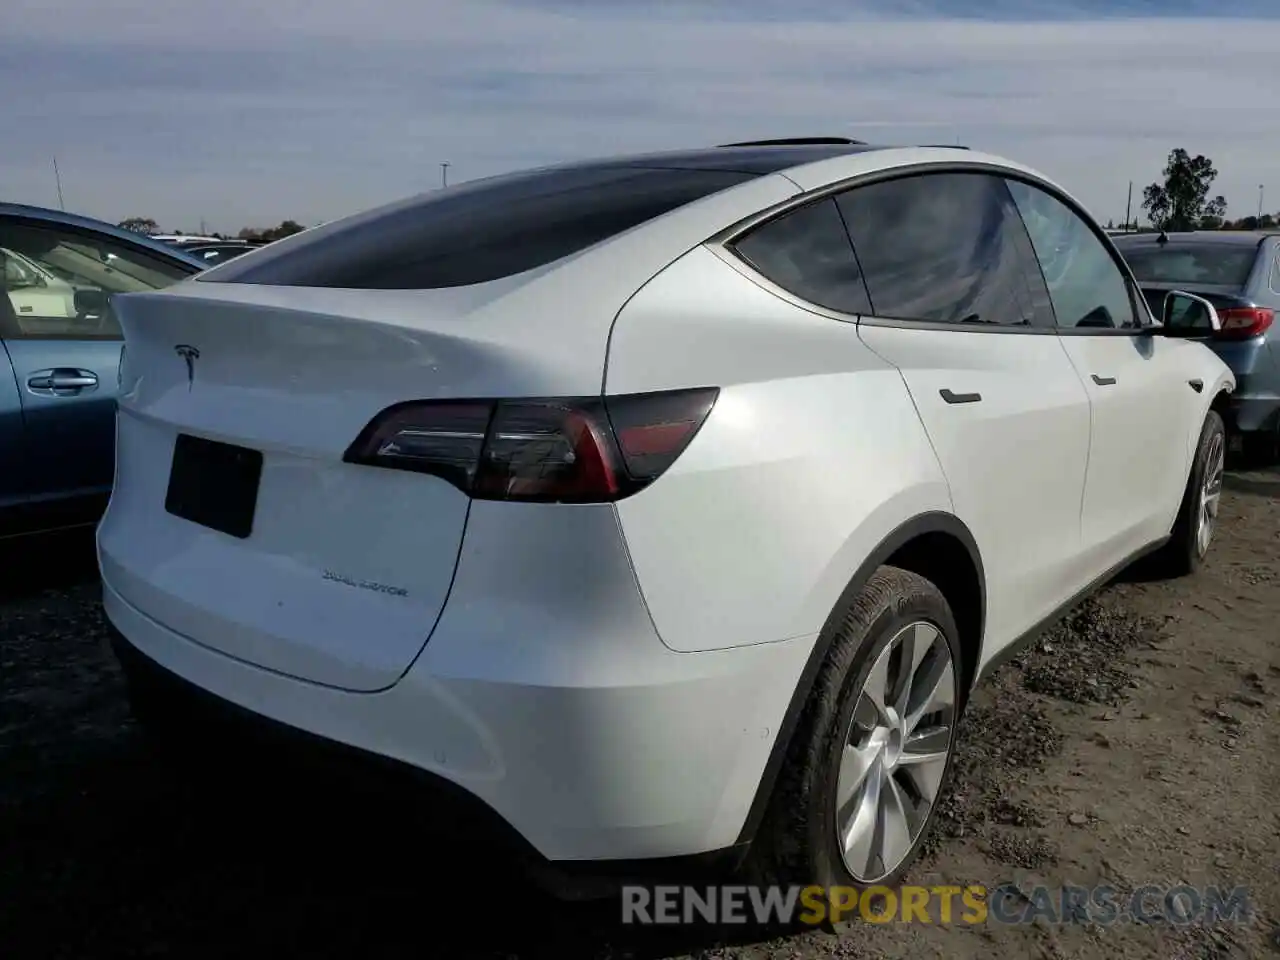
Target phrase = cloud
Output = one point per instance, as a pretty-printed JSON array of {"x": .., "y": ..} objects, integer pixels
[{"x": 237, "y": 112}]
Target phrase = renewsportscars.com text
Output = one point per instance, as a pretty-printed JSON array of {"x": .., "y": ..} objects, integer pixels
[{"x": 943, "y": 904}]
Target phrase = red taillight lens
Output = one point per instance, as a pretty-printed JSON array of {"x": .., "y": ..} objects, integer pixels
[
  {"x": 548, "y": 450},
  {"x": 565, "y": 450},
  {"x": 1241, "y": 323},
  {"x": 654, "y": 428}
]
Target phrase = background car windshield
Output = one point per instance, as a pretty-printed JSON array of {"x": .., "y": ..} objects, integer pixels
[{"x": 1207, "y": 263}]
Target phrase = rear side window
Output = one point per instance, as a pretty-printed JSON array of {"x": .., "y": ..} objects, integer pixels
[
  {"x": 807, "y": 252},
  {"x": 1227, "y": 264},
  {"x": 481, "y": 231},
  {"x": 941, "y": 248}
]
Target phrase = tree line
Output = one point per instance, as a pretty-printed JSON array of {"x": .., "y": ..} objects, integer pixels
[{"x": 253, "y": 234}]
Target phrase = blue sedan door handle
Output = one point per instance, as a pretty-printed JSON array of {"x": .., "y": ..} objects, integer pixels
[{"x": 62, "y": 382}]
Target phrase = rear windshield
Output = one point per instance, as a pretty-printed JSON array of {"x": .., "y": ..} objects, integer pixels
[
  {"x": 477, "y": 232},
  {"x": 1205, "y": 263}
]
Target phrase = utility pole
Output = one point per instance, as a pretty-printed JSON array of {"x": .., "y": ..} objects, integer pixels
[
  {"x": 1260, "y": 188},
  {"x": 57, "y": 178},
  {"x": 444, "y": 174},
  {"x": 1128, "y": 208}
]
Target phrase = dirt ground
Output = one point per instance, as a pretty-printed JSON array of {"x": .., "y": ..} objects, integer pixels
[{"x": 1137, "y": 743}]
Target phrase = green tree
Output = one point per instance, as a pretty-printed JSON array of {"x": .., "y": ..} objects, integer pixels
[
  {"x": 139, "y": 225},
  {"x": 285, "y": 229},
  {"x": 1182, "y": 201}
]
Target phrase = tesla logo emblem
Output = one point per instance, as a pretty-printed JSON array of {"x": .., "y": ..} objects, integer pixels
[{"x": 190, "y": 354}]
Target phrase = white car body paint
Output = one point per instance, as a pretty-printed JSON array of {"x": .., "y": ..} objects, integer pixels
[{"x": 610, "y": 678}]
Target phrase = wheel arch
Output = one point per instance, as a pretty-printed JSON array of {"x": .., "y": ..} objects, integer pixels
[
  {"x": 1220, "y": 404},
  {"x": 935, "y": 545}
]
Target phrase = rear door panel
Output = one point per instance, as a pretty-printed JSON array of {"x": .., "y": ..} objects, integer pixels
[
  {"x": 71, "y": 430},
  {"x": 64, "y": 347},
  {"x": 1014, "y": 460},
  {"x": 946, "y": 264},
  {"x": 13, "y": 453}
]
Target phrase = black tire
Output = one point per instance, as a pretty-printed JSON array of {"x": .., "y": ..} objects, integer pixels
[
  {"x": 1184, "y": 553},
  {"x": 797, "y": 842}
]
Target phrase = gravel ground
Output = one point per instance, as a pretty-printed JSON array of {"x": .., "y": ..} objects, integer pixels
[{"x": 1136, "y": 743}]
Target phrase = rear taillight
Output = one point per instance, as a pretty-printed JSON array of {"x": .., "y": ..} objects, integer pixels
[
  {"x": 564, "y": 450},
  {"x": 1241, "y": 323}
]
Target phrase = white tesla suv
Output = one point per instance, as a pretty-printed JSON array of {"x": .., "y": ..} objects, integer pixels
[{"x": 670, "y": 506}]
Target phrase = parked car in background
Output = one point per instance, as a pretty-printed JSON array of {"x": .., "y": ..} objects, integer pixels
[
  {"x": 183, "y": 239},
  {"x": 669, "y": 505},
  {"x": 211, "y": 254},
  {"x": 1239, "y": 273},
  {"x": 59, "y": 359}
]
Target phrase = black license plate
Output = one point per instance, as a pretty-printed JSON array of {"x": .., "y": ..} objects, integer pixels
[{"x": 214, "y": 484}]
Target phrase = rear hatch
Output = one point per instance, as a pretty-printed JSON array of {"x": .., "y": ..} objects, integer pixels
[
  {"x": 1216, "y": 267},
  {"x": 1222, "y": 296},
  {"x": 272, "y": 549},
  {"x": 1237, "y": 348},
  {"x": 278, "y": 552}
]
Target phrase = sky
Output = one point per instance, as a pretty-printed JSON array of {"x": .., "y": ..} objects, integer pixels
[{"x": 237, "y": 113}]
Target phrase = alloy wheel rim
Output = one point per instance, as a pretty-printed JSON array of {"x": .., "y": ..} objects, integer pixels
[
  {"x": 895, "y": 752},
  {"x": 1210, "y": 494}
]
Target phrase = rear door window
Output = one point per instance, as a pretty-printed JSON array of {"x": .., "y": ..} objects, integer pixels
[
  {"x": 481, "y": 231},
  {"x": 807, "y": 253},
  {"x": 941, "y": 248}
]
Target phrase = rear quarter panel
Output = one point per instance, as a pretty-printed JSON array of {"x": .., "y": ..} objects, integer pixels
[{"x": 812, "y": 455}]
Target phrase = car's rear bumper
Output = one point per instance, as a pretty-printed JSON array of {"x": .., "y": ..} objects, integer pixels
[
  {"x": 653, "y": 757},
  {"x": 194, "y": 714},
  {"x": 1254, "y": 404}
]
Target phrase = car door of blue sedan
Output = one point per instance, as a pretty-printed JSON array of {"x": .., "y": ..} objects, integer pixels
[
  {"x": 14, "y": 488},
  {"x": 63, "y": 345},
  {"x": 68, "y": 393}
]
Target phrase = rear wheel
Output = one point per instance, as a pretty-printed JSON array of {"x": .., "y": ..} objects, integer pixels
[
  {"x": 870, "y": 759},
  {"x": 1197, "y": 520}
]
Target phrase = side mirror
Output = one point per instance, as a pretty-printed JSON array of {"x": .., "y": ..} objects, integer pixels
[{"x": 1186, "y": 313}]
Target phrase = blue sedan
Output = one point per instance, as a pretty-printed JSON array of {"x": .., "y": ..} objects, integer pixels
[{"x": 60, "y": 357}]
